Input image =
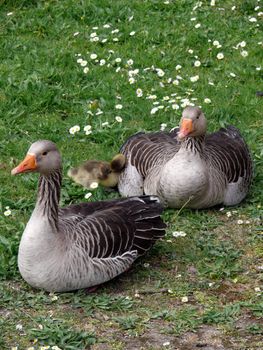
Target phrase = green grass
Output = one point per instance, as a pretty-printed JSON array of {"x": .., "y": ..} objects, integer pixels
[{"x": 44, "y": 92}]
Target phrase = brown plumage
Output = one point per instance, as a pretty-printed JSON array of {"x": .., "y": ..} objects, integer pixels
[{"x": 102, "y": 172}]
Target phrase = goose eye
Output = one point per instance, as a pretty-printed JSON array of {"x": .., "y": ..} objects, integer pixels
[
  {"x": 197, "y": 117},
  {"x": 44, "y": 153}
]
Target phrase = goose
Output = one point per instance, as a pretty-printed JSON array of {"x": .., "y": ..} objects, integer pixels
[
  {"x": 186, "y": 167},
  {"x": 101, "y": 172},
  {"x": 82, "y": 245}
]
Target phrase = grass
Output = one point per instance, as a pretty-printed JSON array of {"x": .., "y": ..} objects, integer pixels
[{"x": 44, "y": 92}]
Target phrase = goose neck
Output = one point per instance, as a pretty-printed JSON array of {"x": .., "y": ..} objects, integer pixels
[
  {"x": 193, "y": 144},
  {"x": 48, "y": 196}
]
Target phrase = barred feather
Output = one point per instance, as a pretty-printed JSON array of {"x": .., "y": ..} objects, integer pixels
[{"x": 224, "y": 152}]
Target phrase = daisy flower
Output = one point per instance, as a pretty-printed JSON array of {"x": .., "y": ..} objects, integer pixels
[
  {"x": 93, "y": 185},
  {"x": 139, "y": 92},
  {"x": 184, "y": 299},
  {"x": 194, "y": 78},
  {"x": 154, "y": 110},
  {"x": 118, "y": 119},
  {"x": 87, "y": 128},
  {"x": 74, "y": 129},
  {"x": 93, "y": 56},
  {"x": 160, "y": 72},
  {"x": 244, "y": 53},
  {"x": 220, "y": 56}
]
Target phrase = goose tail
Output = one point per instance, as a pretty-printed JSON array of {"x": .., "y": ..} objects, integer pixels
[{"x": 146, "y": 211}]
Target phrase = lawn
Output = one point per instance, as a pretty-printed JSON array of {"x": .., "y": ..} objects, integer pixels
[{"x": 122, "y": 67}]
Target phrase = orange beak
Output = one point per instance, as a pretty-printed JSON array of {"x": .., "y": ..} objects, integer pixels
[
  {"x": 28, "y": 164},
  {"x": 185, "y": 129}
]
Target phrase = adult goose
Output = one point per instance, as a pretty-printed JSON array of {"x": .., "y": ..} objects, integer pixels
[
  {"x": 186, "y": 167},
  {"x": 82, "y": 245}
]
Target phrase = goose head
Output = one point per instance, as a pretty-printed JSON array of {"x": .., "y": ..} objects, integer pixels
[
  {"x": 192, "y": 124},
  {"x": 42, "y": 156}
]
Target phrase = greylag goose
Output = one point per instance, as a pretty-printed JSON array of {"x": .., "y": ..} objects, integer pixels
[
  {"x": 186, "y": 167},
  {"x": 101, "y": 172},
  {"x": 82, "y": 245}
]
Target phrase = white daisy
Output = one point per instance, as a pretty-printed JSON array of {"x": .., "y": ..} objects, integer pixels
[
  {"x": 194, "y": 78},
  {"x": 151, "y": 97},
  {"x": 160, "y": 72},
  {"x": 118, "y": 106},
  {"x": 93, "y": 56},
  {"x": 93, "y": 185},
  {"x": 87, "y": 127},
  {"x": 88, "y": 195},
  {"x": 118, "y": 119},
  {"x": 163, "y": 126},
  {"x": 220, "y": 56},
  {"x": 154, "y": 110},
  {"x": 178, "y": 234},
  {"x": 175, "y": 106},
  {"x": 139, "y": 92},
  {"x": 74, "y": 129},
  {"x": 19, "y": 327},
  {"x": 83, "y": 63},
  {"x": 244, "y": 53}
]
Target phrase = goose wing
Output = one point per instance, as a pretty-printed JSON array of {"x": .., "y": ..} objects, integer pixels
[
  {"x": 144, "y": 151},
  {"x": 114, "y": 233},
  {"x": 110, "y": 228},
  {"x": 227, "y": 150}
]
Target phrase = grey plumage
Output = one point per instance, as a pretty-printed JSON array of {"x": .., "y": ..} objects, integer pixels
[
  {"x": 85, "y": 244},
  {"x": 222, "y": 157}
]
